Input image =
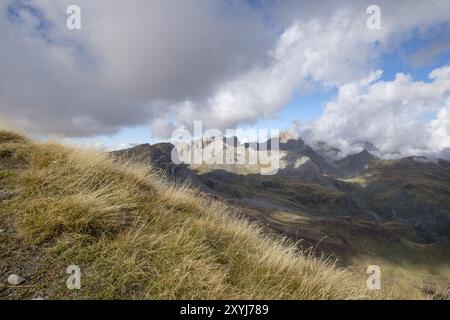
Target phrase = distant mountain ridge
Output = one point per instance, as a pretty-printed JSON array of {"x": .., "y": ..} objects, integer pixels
[
  {"x": 359, "y": 185},
  {"x": 355, "y": 164}
]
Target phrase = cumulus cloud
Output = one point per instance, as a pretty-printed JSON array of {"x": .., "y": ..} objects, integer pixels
[
  {"x": 394, "y": 115},
  {"x": 318, "y": 48},
  {"x": 298, "y": 62},
  {"x": 128, "y": 65},
  {"x": 439, "y": 130},
  {"x": 167, "y": 63}
]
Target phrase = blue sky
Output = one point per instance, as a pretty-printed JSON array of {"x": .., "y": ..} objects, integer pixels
[{"x": 400, "y": 59}]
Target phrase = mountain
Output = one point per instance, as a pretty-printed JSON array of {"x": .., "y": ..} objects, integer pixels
[
  {"x": 297, "y": 149},
  {"x": 354, "y": 164},
  {"x": 360, "y": 209},
  {"x": 137, "y": 235},
  {"x": 414, "y": 193},
  {"x": 328, "y": 152},
  {"x": 359, "y": 186},
  {"x": 159, "y": 157}
]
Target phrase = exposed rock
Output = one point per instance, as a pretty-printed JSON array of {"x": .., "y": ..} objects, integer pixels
[
  {"x": 298, "y": 148},
  {"x": 355, "y": 164},
  {"x": 15, "y": 280},
  {"x": 6, "y": 194},
  {"x": 329, "y": 153}
]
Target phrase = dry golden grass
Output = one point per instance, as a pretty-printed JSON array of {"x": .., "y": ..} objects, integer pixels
[{"x": 135, "y": 236}]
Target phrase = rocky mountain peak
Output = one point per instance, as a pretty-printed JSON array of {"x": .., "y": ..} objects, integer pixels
[{"x": 355, "y": 164}]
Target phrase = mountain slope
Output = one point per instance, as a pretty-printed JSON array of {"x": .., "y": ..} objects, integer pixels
[
  {"x": 136, "y": 236},
  {"x": 414, "y": 192},
  {"x": 297, "y": 148},
  {"x": 355, "y": 164},
  {"x": 359, "y": 185},
  {"x": 158, "y": 156},
  {"x": 359, "y": 209}
]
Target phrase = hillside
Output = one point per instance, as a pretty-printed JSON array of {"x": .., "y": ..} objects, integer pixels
[
  {"x": 412, "y": 192},
  {"x": 135, "y": 235},
  {"x": 355, "y": 164},
  {"x": 361, "y": 210}
]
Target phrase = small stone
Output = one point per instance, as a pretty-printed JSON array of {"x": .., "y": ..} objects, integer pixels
[
  {"x": 6, "y": 194},
  {"x": 15, "y": 280},
  {"x": 2, "y": 231},
  {"x": 38, "y": 298}
]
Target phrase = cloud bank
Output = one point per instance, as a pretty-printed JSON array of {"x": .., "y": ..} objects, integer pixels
[
  {"x": 393, "y": 115},
  {"x": 131, "y": 63},
  {"x": 167, "y": 63}
]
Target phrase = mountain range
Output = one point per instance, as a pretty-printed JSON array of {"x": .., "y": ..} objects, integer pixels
[
  {"x": 408, "y": 197},
  {"x": 132, "y": 231}
]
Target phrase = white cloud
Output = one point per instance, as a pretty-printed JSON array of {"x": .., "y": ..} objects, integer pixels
[
  {"x": 439, "y": 129},
  {"x": 323, "y": 49},
  {"x": 167, "y": 63},
  {"x": 317, "y": 52},
  {"x": 127, "y": 65},
  {"x": 394, "y": 115}
]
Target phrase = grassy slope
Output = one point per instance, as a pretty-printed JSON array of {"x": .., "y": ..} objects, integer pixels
[
  {"x": 135, "y": 236},
  {"x": 411, "y": 269}
]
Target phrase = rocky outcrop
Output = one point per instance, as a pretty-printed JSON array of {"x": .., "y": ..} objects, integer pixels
[
  {"x": 159, "y": 157},
  {"x": 354, "y": 164}
]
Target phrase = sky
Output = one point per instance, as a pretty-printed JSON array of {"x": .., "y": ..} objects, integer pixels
[{"x": 137, "y": 70}]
